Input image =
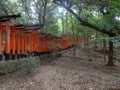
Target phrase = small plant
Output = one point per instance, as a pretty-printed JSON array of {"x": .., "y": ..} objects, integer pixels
[{"x": 29, "y": 65}]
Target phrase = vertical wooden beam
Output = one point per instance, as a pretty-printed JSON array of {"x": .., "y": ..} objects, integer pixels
[
  {"x": 7, "y": 42},
  {"x": 0, "y": 42},
  {"x": 13, "y": 43},
  {"x": 22, "y": 45},
  {"x": 37, "y": 42},
  {"x": 28, "y": 43},
  {"x": 32, "y": 42},
  {"x": 18, "y": 44},
  {"x": 25, "y": 45}
]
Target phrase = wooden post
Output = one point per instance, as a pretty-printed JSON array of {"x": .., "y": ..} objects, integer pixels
[
  {"x": 25, "y": 45},
  {"x": 37, "y": 43},
  {"x": 34, "y": 42},
  {"x": 0, "y": 43},
  {"x": 7, "y": 42},
  {"x": 28, "y": 43},
  {"x": 31, "y": 46},
  {"x": 18, "y": 45},
  {"x": 13, "y": 43},
  {"x": 22, "y": 45}
]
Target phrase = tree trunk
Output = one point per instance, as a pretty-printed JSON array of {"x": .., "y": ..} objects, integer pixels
[
  {"x": 73, "y": 33},
  {"x": 89, "y": 55},
  {"x": 44, "y": 11},
  {"x": 110, "y": 56},
  {"x": 104, "y": 50},
  {"x": 63, "y": 29},
  {"x": 66, "y": 26},
  {"x": 95, "y": 44}
]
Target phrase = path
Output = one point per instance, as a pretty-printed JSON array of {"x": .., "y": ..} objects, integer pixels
[{"x": 66, "y": 74}]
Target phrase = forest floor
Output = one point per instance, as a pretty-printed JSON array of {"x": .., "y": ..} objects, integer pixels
[{"x": 65, "y": 73}]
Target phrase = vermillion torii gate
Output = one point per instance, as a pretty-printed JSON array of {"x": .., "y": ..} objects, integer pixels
[
  {"x": 5, "y": 26},
  {"x": 24, "y": 40},
  {"x": 2, "y": 30},
  {"x": 17, "y": 40},
  {"x": 32, "y": 33}
]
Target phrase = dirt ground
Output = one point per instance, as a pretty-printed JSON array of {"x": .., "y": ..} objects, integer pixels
[{"x": 65, "y": 73}]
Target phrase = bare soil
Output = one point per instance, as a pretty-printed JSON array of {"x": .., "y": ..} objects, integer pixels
[{"x": 65, "y": 73}]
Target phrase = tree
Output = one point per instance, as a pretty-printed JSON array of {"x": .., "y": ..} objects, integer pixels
[
  {"x": 40, "y": 9},
  {"x": 106, "y": 11}
]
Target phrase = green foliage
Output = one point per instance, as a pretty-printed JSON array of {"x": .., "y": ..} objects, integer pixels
[
  {"x": 52, "y": 25},
  {"x": 102, "y": 13},
  {"x": 25, "y": 65},
  {"x": 33, "y": 11},
  {"x": 116, "y": 74},
  {"x": 115, "y": 39},
  {"x": 29, "y": 65}
]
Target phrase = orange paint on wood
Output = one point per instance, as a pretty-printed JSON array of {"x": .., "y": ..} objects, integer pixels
[
  {"x": 13, "y": 40},
  {"x": 80, "y": 40},
  {"x": 25, "y": 43},
  {"x": 0, "y": 40},
  {"x": 34, "y": 41},
  {"x": 28, "y": 42},
  {"x": 7, "y": 41},
  {"x": 31, "y": 42},
  {"x": 18, "y": 43},
  {"x": 22, "y": 43}
]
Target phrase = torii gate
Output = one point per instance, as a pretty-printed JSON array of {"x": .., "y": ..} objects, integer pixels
[{"x": 5, "y": 26}]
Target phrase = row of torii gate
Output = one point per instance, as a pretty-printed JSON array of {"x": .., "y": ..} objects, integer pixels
[{"x": 17, "y": 40}]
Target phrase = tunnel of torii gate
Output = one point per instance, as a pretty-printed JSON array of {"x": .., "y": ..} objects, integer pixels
[{"x": 18, "y": 40}]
